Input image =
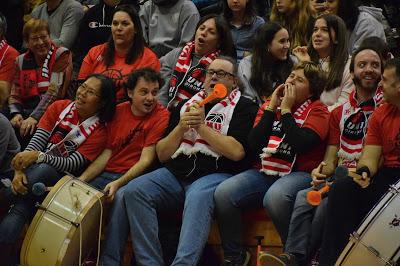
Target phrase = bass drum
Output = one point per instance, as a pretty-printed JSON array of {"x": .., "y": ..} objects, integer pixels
[
  {"x": 377, "y": 241},
  {"x": 65, "y": 225}
]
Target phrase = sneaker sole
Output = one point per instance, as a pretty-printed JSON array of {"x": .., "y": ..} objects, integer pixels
[{"x": 270, "y": 260}]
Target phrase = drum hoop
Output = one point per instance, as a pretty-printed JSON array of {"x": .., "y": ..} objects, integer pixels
[
  {"x": 37, "y": 217},
  {"x": 366, "y": 222},
  {"x": 79, "y": 218},
  {"x": 355, "y": 237},
  {"x": 46, "y": 202}
]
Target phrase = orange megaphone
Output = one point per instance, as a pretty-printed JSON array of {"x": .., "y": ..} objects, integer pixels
[
  {"x": 218, "y": 92},
  {"x": 314, "y": 197}
]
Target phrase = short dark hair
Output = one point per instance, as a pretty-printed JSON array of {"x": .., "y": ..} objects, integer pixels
[
  {"x": 378, "y": 44},
  {"x": 362, "y": 48},
  {"x": 394, "y": 63},
  {"x": 315, "y": 75},
  {"x": 107, "y": 97},
  {"x": 138, "y": 43},
  {"x": 147, "y": 74}
]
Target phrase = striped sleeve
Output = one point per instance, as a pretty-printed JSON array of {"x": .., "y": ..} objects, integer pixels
[
  {"x": 39, "y": 140},
  {"x": 71, "y": 164}
]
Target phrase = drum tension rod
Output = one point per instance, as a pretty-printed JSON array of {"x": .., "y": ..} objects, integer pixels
[{"x": 41, "y": 207}]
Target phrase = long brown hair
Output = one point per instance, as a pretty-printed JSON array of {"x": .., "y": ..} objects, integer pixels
[
  {"x": 295, "y": 21},
  {"x": 338, "y": 55}
]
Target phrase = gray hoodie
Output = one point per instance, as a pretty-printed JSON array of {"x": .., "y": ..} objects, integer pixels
[
  {"x": 369, "y": 23},
  {"x": 165, "y": 28}
]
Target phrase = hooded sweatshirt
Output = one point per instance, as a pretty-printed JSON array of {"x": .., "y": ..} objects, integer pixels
[
  {"x": 167, "y": 27},
  {"x": 369, "y": 23}
]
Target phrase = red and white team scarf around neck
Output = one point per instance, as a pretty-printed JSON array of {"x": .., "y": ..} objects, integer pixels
[
  {"x": 218, "y": 118},
  {"x": 3, "y": 50},
  {"x": 68, "y": 134},
  {"x": 353, "y": 127},
  {"x": 184, "y": 73},
  {"x": 278, "y": 157}
]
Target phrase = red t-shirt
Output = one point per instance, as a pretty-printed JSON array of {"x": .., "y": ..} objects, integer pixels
[
  {"x": 129, "y": 134},
  {"x": 318, "y": 121},
  {"x": 384, "y": 130},
  {"x": 7, "y": 67},
  {"x": 94, "y": 144},
  {"x": 119, "y": 71}
]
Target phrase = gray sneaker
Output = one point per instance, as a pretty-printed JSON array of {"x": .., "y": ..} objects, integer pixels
[{"x": 285, "y": 259}]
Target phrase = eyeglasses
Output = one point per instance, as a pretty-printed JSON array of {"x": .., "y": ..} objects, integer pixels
[
  {"x": 220, "y": 73},
  {"x": 83, "y": 88}
]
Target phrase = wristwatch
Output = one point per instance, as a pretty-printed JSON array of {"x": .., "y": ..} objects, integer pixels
[{"x": 41, "y": 157}]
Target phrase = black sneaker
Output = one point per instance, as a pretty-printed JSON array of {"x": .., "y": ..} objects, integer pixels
[
  {"x": 285, "y": 259},
  {"x": 242, "y": 260}
]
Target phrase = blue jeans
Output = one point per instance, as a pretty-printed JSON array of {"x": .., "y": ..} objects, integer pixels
[
  {"x": 280, "y": 197},
  {"x": 136, "y": 206},
  {"x": 242, "y": 191},
  {"x": 23, "y": 207},
  {"x": 101, "y": 181},
  {"x": 306, "y": 226}
]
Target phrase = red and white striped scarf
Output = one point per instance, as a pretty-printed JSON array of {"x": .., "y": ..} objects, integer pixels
[
  {"x": 218, "y": 118},
  {"x": 38, "y": 82},
  {"x": 68, "y": 134},
  {"x": 187, "y": 80},
  {"x": 3, "y": 50},
  {"x": 353, "y": 127},
  {"x": 278, "y": 157}
]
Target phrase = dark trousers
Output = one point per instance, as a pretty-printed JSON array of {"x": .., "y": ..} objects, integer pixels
[{"x": 348, "y": 204}]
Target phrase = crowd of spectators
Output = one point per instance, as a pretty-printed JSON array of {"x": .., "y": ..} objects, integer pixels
[{"x": 112, "y": 92}]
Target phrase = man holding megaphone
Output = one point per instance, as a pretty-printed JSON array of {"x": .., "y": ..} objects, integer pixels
[{"x": 204, "y": 144}]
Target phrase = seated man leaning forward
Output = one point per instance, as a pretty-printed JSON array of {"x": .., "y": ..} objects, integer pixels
[
  {"x": 202, "y": 147},
  {"x": 132, "y": 135},
  {"x": 70, "y": 134}
]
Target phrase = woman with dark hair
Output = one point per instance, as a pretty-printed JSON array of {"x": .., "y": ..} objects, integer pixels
[
  {"x": 269, "y": 65},
  {"x": 361, "y": 21},
  {"x": 288, "y": 136},
  {"x": 184, "y": 69},
  {"x": 70, "y": 135},
  {"x": 243, "y": 22},
  {"x": 328, "y": 47},
  {"x": 124, "y": 52}
]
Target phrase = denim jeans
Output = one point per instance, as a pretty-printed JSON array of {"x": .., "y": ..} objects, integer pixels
[
  {"x": 306, "y": 226},
  {"x": 101, "y": 181},
  {"x": 136, "y": 206},
  {"x": 242, "y": 191},
  {"x": 280, "y": 197},
  {"x": 23, "y": 207}
]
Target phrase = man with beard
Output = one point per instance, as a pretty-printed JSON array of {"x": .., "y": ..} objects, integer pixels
[
  {"x": 347, "y": 130},
  {"x": 350, "y": 199}
]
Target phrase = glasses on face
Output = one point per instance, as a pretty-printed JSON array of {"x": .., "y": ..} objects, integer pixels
[
  {"x": 220, "y": 73},
  {"x": 87, "y": 90}
]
